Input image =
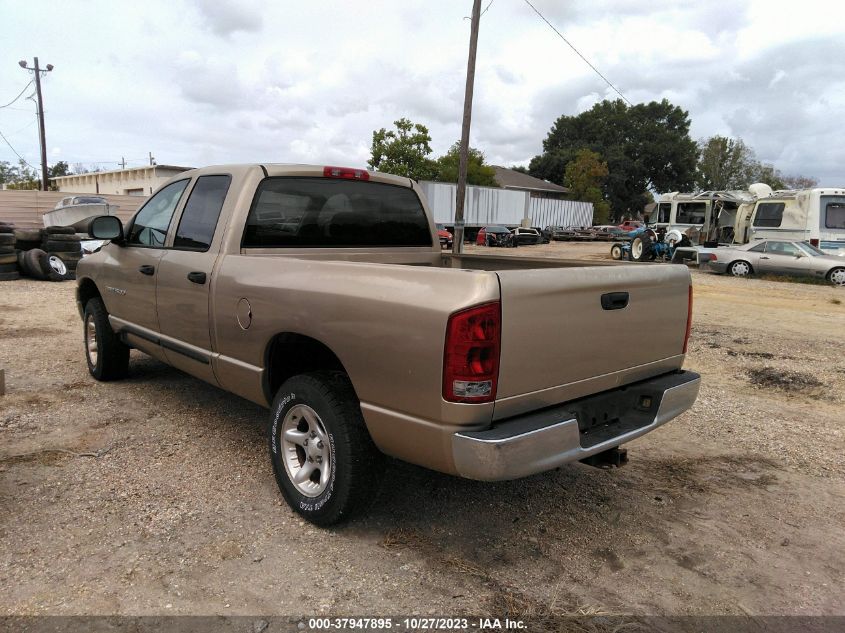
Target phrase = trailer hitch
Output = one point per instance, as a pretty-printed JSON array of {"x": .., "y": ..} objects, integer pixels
[{"x": 608, "y": 459}]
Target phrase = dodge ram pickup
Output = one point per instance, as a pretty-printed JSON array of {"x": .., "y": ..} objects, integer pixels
[{"x": 322, "y": 293}]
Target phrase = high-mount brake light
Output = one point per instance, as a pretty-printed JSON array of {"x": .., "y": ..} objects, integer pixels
[
  {"x": 471, "y": 357},
  {"x": 689, "y": 320},
  {"x": 346, "y": 173}
]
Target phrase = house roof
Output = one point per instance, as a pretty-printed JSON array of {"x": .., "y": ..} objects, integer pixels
[{"x": 510, "y": 179}]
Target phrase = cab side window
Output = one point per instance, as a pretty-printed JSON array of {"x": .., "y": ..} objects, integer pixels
[
  {"x": 202, "y": 210},
  {"x": 150, "y": 225}
]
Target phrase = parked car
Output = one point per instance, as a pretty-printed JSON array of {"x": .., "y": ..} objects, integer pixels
[
  {"x": 495, "y": 236},
  {"x": 559, "y": 233},
  {"x": 785, "y": 257},
  {"x": 445, "y": 236},
  {"x": 608, "y": 233},
  {"x": 630, "y": 225},
  {"x": 322, "y": 294},
  {"x": 526, "y": 236}
]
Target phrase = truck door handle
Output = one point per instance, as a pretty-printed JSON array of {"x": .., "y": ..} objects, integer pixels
[
  {"x": 197, "y": 278},
  {"x": 146, "y": 269},
  {"x": 614, "y": 300}
]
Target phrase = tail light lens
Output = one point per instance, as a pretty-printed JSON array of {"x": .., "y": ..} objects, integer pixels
[
  {"x": 689, "y": 321},
  {"x": 471, "y": 358},
  {"x": 814, "y": 242},
  {"x": 346, "y": 173}
]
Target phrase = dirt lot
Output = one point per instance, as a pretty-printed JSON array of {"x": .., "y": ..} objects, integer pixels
[{"x": 155, "y": 495}]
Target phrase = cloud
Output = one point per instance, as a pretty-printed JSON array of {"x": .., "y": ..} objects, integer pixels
[{"x": 225, "y": 17}]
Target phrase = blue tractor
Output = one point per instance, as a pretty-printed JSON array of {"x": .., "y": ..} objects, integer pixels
[{"x": 646, "y": 244}]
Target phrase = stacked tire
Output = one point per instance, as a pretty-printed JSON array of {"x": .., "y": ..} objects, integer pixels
[
  {"x": 8, "y": 253},
  {"x": 63, "y": 248}
]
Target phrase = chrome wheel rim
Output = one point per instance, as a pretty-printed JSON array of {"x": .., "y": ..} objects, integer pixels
[
  {"x": 838, "y": 277},
  {"x": 740, "y": 269},
  {"x": 57, "y": 264},
  {"x": 306, "y": 451},
  {"x": 91, "y": 340}
]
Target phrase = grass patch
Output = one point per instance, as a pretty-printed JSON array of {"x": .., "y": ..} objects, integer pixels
[
  {"x": 796, "y": 279},
  {"x": 792, "y": 381}
]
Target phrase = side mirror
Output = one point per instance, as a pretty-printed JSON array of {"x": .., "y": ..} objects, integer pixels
[{"x": 106, "y": 227}]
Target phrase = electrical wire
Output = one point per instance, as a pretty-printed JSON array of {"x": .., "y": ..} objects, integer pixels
[
  {"x": 587, "y": 61},
  {"x": 16, "y": 151},
  {"x": 19, "y": 95}
]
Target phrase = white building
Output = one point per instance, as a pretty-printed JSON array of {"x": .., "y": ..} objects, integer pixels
[{"x": 133, "y": 181}]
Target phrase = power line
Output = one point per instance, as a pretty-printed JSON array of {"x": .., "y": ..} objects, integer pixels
[
  {"x": 19, "y": 95},
  {"x": 15, "y": 151},
  {"x": 587, "y": 61}
]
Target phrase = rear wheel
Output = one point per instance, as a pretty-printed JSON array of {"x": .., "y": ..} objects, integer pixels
[
  {"x": 837, "y": 276},
  {"x": 740, "y": 269},
  {"x": 641, "y": 249},
  {"x": 106, "y": 354},
  {"x": 325, "y": 462}
]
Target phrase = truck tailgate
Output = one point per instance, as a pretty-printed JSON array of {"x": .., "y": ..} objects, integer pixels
[{"x": 559, "y": 341}]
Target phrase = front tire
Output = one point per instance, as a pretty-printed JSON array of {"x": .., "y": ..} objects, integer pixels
[
  {"x": 616, "y": 251},
  {"x": 324, "y": 460},
  {"x": 641, "y": 249},
  {"x": 107, "y": 356}
]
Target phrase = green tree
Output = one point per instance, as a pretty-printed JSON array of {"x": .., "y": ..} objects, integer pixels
[
  {"x": 585, "y": 176},
  {"x": 519, "y": 168},
  {"x": 403, "y": 152},
  {"x": 646, "y": 146},
  {"x": 800, "y": 182},
  {"x": 446, "y": 167},
  {"x": 724, "y": 164},
  {"x": 764, "y": 172},
  {"x": 23, "y": 177}
]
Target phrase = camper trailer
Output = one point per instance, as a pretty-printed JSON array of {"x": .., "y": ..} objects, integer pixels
[
  {"x": 709, "y": 216},
  {"x": 814, "y": 215}
]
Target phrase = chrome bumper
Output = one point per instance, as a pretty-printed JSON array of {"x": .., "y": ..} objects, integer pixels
[{"x": 573, "y": 431}]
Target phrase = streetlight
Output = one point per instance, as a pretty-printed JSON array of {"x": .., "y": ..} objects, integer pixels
[{"x": 38, "y": 71}]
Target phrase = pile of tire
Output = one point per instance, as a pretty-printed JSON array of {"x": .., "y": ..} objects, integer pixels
[
  {"x": 63, "y": 244},
  {"x": 8, "y": 253}
]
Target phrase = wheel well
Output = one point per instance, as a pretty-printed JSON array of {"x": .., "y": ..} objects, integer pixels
[
  {"x": 289, "y": 354},
  {"x": 830, "y": 272},
  {"x": 744, "y": 261},
  {"x": 86, "y": 291}
]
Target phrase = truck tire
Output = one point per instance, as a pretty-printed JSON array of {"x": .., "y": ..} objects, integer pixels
[
  {"x": 325, "y": 462},
  {"x": 53, "y": 267},
  {"x": 641, "y": 249},
  {"x": 9, "y": 276},
  {"x": 30, "y": 264},
  {"x": 9, "y": 258},
  {"x": 107, "y": 356},
  {"x": 28, "y": 235},
  {"x": 59, "y": 237},
  {"x": 7, "y": 239},
  {"x": 62, "y": 247}
]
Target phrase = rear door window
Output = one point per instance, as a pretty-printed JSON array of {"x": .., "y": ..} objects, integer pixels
[
  {"x": 664, "y": 210},
  {"x": 202, "y": 210},
  {"x": 328, "y": 213},
  {"x": 769, "y": 214}
]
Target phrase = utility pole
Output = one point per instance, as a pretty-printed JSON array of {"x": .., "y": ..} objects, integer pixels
[
  {"x": 122, "y": 163},
  {"x": 152, "y": 159},
  {"x": 45, "y": 183},
  {"x": 458, "y": 238}
]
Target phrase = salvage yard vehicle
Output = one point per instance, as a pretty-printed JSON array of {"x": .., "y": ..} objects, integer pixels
[
  {"x": 523, "y": 236},
  {"x": 495, "y": 236},
  {"x": 323, "y": 294},
  {"x": 781, "y": 257}
]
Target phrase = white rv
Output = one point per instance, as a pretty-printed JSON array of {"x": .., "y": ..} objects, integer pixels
[
  {"x": 814, "y": 215},
  {"x": 709, "y": 216}
]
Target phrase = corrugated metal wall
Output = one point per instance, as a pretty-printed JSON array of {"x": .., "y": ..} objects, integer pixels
[
  {"x": 486, "y": 206},
  {"x": 24, "y": 208}
]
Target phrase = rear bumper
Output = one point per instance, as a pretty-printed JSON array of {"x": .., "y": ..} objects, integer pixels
[{"x": 573, "y": 431}]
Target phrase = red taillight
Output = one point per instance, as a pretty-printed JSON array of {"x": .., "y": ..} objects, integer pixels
[
  {"x": 471, "y": 359},
  {"x": 814, "y": 242},
  {"x": 689, "y": 321},
  {"x": 713, "y": 257},
  {"x": 347, "y": 173}
]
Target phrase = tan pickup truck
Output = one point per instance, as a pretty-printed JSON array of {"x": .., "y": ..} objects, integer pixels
[{"x": 322, "y": 293}]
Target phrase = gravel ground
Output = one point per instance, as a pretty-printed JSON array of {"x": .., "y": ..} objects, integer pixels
[{"x": 154, "y": 495}]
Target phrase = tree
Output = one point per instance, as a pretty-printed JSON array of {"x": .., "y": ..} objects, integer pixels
[
  {"x": 22, "y": 176},
  {"x": 584, "y": 177},
  {"x": 800, "y": 182},
  {"x": 646, "y": 146},
  {"x": 446, "y": 167},
  {"x": 403, "y": 152},
  {"x": 724, "y": 164},
  {"x": 519, "y": 168},
  {"x": 763, "y": 172}
]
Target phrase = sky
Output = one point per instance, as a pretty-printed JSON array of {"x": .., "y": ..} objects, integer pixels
[{"x": 200, "y": 82}]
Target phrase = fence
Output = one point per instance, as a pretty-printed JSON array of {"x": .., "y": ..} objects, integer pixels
[
  {"x": 25, "y": 208},
  {"x": 485, "y": 206}
]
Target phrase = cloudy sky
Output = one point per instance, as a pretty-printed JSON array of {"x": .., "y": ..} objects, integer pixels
[{"x": 199, "y": 82}]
